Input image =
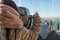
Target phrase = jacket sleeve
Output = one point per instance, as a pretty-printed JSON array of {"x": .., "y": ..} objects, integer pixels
[{"x": 30, "y": 34}]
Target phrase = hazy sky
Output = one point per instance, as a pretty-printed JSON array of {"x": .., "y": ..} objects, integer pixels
[{"x": 46, "y": 8}]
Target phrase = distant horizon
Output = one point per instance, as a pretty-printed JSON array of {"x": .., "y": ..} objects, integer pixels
[{"x": 50, "y": 17}]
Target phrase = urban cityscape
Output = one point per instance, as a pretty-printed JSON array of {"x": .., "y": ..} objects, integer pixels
[{"x": 48, "y": 25}]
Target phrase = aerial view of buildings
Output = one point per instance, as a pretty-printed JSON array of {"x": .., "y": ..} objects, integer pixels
[{"x": 48, "y": 25}]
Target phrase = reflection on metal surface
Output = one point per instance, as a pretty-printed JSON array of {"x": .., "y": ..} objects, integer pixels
[{"x": 27, "y": 10}]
